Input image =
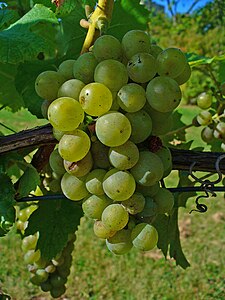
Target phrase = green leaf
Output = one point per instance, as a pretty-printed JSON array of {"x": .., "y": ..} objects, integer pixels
[
  {"x": 7, "y": 210},
  {"x": 184, "y": 181},
  {"x": 196, "y": 60},
  {"x": 66, "y": 8},
  {"x": 29, "y": 36},
  {"x": 7, "y": 17},
  {"x": 54, "y": 220},
  {"x": 161, "y": 224},
  {"x": 221, "y": 71},
  {"x": 28, "y": 181},
  {"x": 175, "y": 245},
  {"x": 128, "y": 15},
  {"x": 9, "y": 95}
]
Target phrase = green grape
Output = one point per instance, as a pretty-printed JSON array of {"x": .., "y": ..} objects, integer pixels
[
  {"x": 219, "y": 131},
  {"x": 65, "y": 114},
  {"x": 149, "y": 191},
  {"x": 84, "y": 67},
  {"x": 135, "y": 204},
  {"x": 56, "y": 162},
  {"x": 74, "y": 147},
  {"x": 171, "y": 62},
  {"x": 29, "y": 242},
  {"x": 149, "y": 211},
  {"x": 164, "y": 200},
  {"x": 100, "y": 155},
  {"x": 113, "y": 129},
  {"x": 163, "y": 94},
  {"x": 66, "y": 68},
  {"x": 40, "y": 276},
  {"x": 115, "y": 105},
  {"x": 118, "y": 185},
  {"x": 161, "y": 122},
  {"x": 141, "y": 125},
  {"x": 142, "y": 67},
  {"x": 184, "y": 75},
  {"x": 204, "y": 100},
  {"x": 125, "y": 156},
  {"x": 56, "y": 292},
  {"x": 120, "y": 243},
  {"x": 144, "y": 237},
  {"x": 31, "y": 256},
  {"x": 204, "y": 117},
  {"x": 57, "y": 133},
  {"x": 50, "y": 268},
  {"x": 81, "y": 167},
  {"x": 155, "y": 50},
  {"x": 207, "y": 134},
  {"x": 165, "y": 155},
  {"x": 94, "y": 205},
  {"x": 94, "y": 181},
  {"x": 73, "y": 187},
  {"x": 46, "y": 286},
  {"x": 54, "y": 185},
  {"x": 101, "y": 231},
  {"x": 47, "y": 84},
  {"x": 107, "y": 47},
  {"x": 148, "y": 170},
  {"x": 111, "y": 73},
  {"x": 63, "y": 271},
  {"x": 131, "y": 97},
  {"x": 135, "y": 41},
  {"x": 44, "y": 108},
  {"x": 71, "y": 88},
  {"x": 115, "y": 217},
  {"x": 95, "y": 99}
]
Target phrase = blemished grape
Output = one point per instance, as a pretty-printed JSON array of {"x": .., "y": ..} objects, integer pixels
[
  {"x": 56, "y": 162},
  {"x": 107, "y": 47},
  {"x": 94, "y": 181},
  {"x": 81, "y": 167},
  {"x": 48, "y": 83},
  {"x": 135, "y": 204},
  {"x": 120, "y": 243},
  {"x": 163, "y": 94},
  {"x": 204, "y": 100},
  {"x": 144, "y": 237},
  {"x": 73, "y": 188},
  {"x": 131, "y": 97},
  {"x": 141, "y": 125},
  {"x": 84, "y": 67},
  {"x": 207, "y": 134},
  {"x": 95, "y": 99},
  {"x": 155, "y": 50},
  {"x": 184, "y": 75},
  {"x": 74, "y": 147},
  {"x": 171, "y": 62},
  {"x": 101, "y": 231},
  {"x": 148, "y": 170},
  {"x": 164, "y": 200},
  {"x": 142, "y": 67},
  {"x": 71, "y": 88},
  {"x": 115, "y": 217},
  {"x": 125, "y": 156},
  {"x": 65, "y": 114},
  {"x": 135, "y": 41},
  {"x": 111, "y": 73},
  {"x": 219, "y": 131},
  {"x": 204, "y": 117},
  {"x": 94, "y": 205},
  {"x": 119, "y": 185},
  {"x": 66, "y": 68},
  {"x": 113, "y": 129}
]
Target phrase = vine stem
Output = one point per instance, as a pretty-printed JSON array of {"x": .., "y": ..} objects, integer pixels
[
  {"x": 98, "y": 22},
  {"x": 179, "y": 129}
]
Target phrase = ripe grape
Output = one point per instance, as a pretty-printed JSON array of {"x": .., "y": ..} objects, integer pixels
[
  {"x": 66, "y": 68},
  {"x": 144, "y": 237},
  {"x": 135, "y": 204},
  {"x": 107, "y": 47},
  {"x": 73, "y": 187},
  {"x": 207, "y": 134},
  {"x": 135, "y": 41},
  {"x": 100, "y": 155},
  {"x": 164, "y": 200},
  {"x": 165, "y": 155},
  {"x": 204, "y": 100},
  {"x": 101, "y": 231},
  {"x": 81, "y": 167},
  {"x": 65, "y": 114},
  {"x": 113, "y": 129},
  {"x": 120, "y": 243},
  {"x": 71, "y": 88},
  {"x": 184, "y": 75},
  {"x": 155, "y": 50},
  {"x": 204, "y": 117},
  {"x": 56, "y": 162},
  {"x": 94, "y": 205},
  {"x": 94, "y": 181},
  {"x": 95, "y": 99},
  {"x": 219, "y": 132},
  {"x": 149, "y": 191},
  {"x": 163, "y": 94},
  {"x": 84, "y": 67},
  {"x": 115, "y": 217},
  {"x": 149, "y": 211}
]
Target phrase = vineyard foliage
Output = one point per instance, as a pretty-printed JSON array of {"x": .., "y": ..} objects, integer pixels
[{"x": 37, "y": 38}]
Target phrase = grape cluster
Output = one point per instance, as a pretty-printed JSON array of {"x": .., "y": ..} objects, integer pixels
[
  {"x": 107, "y": 109},
  {"x": 211, "y": 117},
  {"x": 50, "y": 275}
]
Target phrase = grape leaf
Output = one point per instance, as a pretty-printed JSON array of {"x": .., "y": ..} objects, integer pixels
[
  {"x": 221, "y": 71},
  {"x": 7, "y": 17},
  {"x": 28, "y": 181},
  {"x": 128, "y": 15},
  {"x": 7, "y": 210},
  {"x": 196, "y": 60},
  {"x": 161, "y": 224},
  {"x": 58, "y": 219},
  {"x": 24, "y": 40},
  {"x": 183, "y": 182}
]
